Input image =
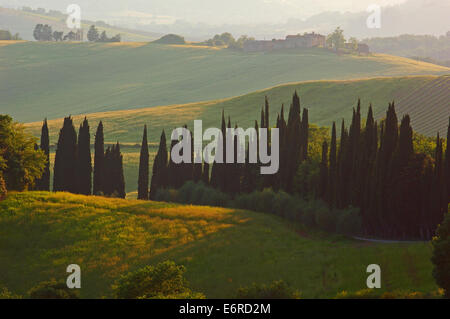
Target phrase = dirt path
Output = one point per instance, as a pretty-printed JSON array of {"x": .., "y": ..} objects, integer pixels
[{"x": 384, "y": 241}]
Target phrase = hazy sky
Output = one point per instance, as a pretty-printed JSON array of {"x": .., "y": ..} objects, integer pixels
[{"x": 203, "y": 11}]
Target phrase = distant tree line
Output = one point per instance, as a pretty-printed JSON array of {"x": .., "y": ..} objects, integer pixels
[
  {"x": 226, "y": 39},
  {"x": 6, "y": 35},
  {"x": 44, "y": 32},
  {"x": 93, "y": 35},
  {"x": 400, "y": 193},
  {"x": 73, "y": 163}
]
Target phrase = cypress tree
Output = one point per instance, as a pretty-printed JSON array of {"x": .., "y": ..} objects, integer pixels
[
  {"x": 205, "y": 172},
  {"x": 43, "y": 184},
  {"x": 304, "y": 127},
  {"x": 143, "y": 168},
  {"x": 293, "y": 143},
  {"x": 99, "y": 160},
  {"x": 323, "y": 177},
  {"x": 120, "y": 178},
  {"x": 65, "y": 179},
  {"x": 447, "y": 166},
  {"x": 266, "y": 112},
  {"x": 332, "y": 175},
  {"x": 160, "y": 169},
  {"x": 84, "y": 170}
]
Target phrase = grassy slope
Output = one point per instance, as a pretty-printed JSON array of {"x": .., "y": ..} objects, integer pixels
[
  {"x": 42, "y": 233},
  {"x": 52, "y": 80}
]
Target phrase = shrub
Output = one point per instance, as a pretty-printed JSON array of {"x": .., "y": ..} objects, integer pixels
[
  {"x": 441, "y": 256},
  {"x": 171, "y": 39},
  {"x": 276, "y": 290},
  {"x": 349, "y": 222},
  {"x": 308, "y": 217},
  {"x": 325, "y": 219},
  {"x": 3, "y": 191},
  {"x": 52, "y": 290},
  {"x": 6, "y": 294},
  {"x": 165, "y": 280}
]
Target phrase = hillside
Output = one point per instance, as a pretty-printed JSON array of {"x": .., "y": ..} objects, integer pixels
[
  {"x": 327, "y": 101},
  {"x": 42, "y": 233},
  {"x": 52, "y": 80},
  {"x": 23, "y": 22}
]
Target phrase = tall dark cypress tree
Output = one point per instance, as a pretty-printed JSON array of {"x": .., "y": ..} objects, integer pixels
[
  {"x": 43, "y": 184},
  {"x": 160, "y": 169},
  {"x": 293, "y": 143},
  {"x": 84, "y": 164},
  {"x": 99, "y": 161},
  {"x": 65, "y": 179},
  {"x": 143, "y": 168},
  {"x": 323, "y": 175},
  {"x": 447, "y": 165},
  {"x": 119, "y": 178},
  {"x": 332, "y": 174}
]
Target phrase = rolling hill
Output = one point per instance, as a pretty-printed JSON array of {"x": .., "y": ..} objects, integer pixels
[
  {"x": 23, "y": 22},
  {"x": 222, "y": 249},
  {"x": 425, "y": 98},
  {"x": 52, "y": 80}
]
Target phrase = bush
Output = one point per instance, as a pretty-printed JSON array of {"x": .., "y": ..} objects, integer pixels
[
  {"x": 3, "y": 191},
  {"x": 325, "y": 219},
  {"x": 276, "y": 290},
  {"x": 6, "y": 294},
  {"x": 441, "y": 256},
  {"x": 171, "y": 39},
  {"x": 349, "y": 222},
  {"x": 52, "y": 290},
  {"x": 165, "y": 280}
]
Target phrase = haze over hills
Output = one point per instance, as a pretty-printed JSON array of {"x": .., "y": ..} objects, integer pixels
[
  {"x": 262, "y": 18},
  {"x": 53, "y": 80}
]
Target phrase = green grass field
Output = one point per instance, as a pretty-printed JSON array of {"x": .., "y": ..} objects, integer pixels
[
  {"x": 223, "y": 249},
  {"x": 53, "y": 80}
]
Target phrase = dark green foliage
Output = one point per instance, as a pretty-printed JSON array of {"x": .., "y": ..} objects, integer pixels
[
  {"x": 43, "y": 184},
  {"x": 3, "y": 190},
  {"x": 143, "y": 168},
  {"x": 84, "y": 163},
  {"x": 165, "y": 280},
  {"x": 99, "y": 160},
  {"x": 441, "y": 256},
  {"x": 160, "y": 174},
  {"x": 170, "y": 39},
  {"x": 92, "y": 34},
  {"x": 276, "y": 290},
  {"x": 114, "y": 181},
  {"x": 65, "y": 171},
  {"x": 20, "y": 162},
  {"x": 52, "y": 290}
]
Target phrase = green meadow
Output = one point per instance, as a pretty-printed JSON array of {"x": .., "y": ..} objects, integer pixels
[
  {"x": 53, "y": 80},
  {"x": 222, "y": 249}
]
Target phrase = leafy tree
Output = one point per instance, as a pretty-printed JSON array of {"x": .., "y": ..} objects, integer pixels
[
  {"x": 52, "y": 290},
  {"x": 276, "y": 290},
  {"x": 336, "y": 39},
  {"x": 92, "y": 34},
  {"x": 143, "y": 168},
  {"x": 163, "y": 280},
  {"x": 84, "y": 159},
  {"x": 21, "y": 163},
  {"x": 441, "y": 256},
  {"x": 58, "y": 35}
]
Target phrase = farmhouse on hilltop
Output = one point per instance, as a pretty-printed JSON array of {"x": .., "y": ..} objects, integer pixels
[{"x": 308, "y": 40}]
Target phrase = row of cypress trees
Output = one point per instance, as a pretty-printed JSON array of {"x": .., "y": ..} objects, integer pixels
[
  {"x": 73, "y": 162},
  {"x": 232, "y": 178},
  {"x": 401, "y": 193}
]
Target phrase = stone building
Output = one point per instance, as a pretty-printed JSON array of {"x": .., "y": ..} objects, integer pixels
[{"x": 307, "y": 40}]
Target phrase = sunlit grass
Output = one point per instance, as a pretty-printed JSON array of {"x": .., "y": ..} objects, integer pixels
[{"x": 223, "y": 249}]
